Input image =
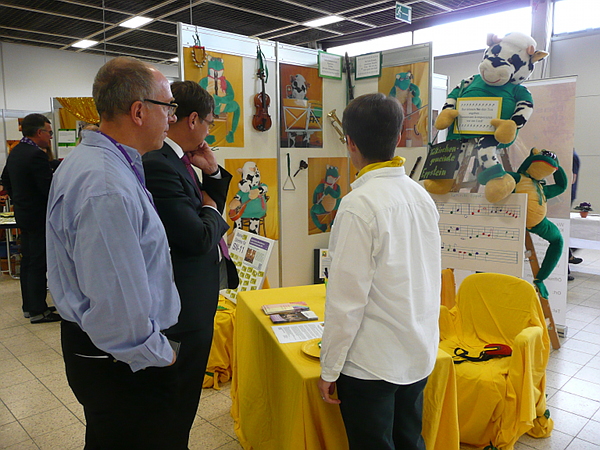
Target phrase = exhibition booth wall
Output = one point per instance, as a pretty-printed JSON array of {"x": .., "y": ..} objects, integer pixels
[{"x": 31, "y": 76}]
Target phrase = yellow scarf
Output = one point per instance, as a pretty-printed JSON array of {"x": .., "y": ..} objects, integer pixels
[{"x": 396, "y": 161}]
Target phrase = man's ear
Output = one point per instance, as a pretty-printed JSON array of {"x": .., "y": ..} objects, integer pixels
[
  {"x": 193, "y": 120},
  {"x": 399, "y": 139},
  {"x": 137, "y": 113}
]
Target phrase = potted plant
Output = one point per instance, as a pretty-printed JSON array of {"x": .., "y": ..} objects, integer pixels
[{"x": 584, "y": 208}]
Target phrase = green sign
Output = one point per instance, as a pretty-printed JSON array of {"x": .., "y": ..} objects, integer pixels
[
  {"x": 442, "y": 161},
  {"x": 403, "y": 13}
]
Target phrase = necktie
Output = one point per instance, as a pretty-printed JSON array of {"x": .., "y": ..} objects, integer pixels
[{"x": 188, "y": 166}]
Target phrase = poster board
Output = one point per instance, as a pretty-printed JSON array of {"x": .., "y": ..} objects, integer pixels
[
  {"x": 551, "y": 127},
  {"x": 295, "y": 263},
  {"x": 481, "y": 236}
]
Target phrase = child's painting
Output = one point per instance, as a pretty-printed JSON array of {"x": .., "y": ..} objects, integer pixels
[
  {"x": 221, "y": 75},
  {"x": 410, "y": 85},
  {"x": 327, "y": 184},
  {"x": 252, "y": 201},
  {"x": 301, "y": 94}
]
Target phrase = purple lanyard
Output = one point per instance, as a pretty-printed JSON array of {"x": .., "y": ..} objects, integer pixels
[
  {"x": 26, "y": 140},
  {"x": 137, "y": 173}
]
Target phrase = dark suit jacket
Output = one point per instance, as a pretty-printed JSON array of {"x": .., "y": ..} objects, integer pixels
[
  {"x": 27, "y": 177},
  {"x": 194, "y": 233}
]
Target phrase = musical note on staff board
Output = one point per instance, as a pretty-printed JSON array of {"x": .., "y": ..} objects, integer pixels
[
  {"x": 481, "y": 236},
  {"x": 478, "y": 232}
]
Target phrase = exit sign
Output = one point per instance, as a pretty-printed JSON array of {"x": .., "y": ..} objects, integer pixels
[{"x": 403, "y": 13}]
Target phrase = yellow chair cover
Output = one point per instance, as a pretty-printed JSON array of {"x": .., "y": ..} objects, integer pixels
[
  {"x": 218, "y": 369},
  {"x": 503, "y": 398}
]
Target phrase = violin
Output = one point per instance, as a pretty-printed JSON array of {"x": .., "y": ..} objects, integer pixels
[{"x": 262, "y": 120}]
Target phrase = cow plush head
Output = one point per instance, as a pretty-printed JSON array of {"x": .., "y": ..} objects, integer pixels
[{"x": 509, "y": 59}]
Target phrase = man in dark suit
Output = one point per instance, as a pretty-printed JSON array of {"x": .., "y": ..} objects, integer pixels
[
  {"x": 191, "y": 212},
  {"x": 26, "y": 177}
]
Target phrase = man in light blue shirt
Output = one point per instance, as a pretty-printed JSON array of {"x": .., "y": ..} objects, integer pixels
[{"x": 109, "y": 266}]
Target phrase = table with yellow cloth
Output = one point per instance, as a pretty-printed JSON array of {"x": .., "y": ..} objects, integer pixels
[{"x": 276, "y": 401}]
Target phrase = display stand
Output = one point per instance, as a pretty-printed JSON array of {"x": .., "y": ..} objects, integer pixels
[{"x": 535, "y": 267}]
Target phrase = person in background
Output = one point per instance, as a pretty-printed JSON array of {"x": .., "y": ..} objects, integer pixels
[
  {"x": 192, "y": 215},
  {"x": 381, "y": 313},
  {"x": 109, "y": 267},
  {"x": 27, "y": 177},
  {"x": 572, "y": 258},
  {"x": 54, "y": 162}
]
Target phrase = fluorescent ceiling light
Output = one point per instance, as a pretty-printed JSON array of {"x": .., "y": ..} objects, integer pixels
[
  {"x": 327, "y": 20},
  {"x": 84, "y": 43},
  {"x": 136, "y": 22},
  {"x": 176, "y": 59}
]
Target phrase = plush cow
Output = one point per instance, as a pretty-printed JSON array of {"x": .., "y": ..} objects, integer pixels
[
  {"x": 507, "y": 62},
  {"x": 250, "y": 202}
]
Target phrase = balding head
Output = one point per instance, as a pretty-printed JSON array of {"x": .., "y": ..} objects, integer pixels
[{"x": 121, "y": 82}]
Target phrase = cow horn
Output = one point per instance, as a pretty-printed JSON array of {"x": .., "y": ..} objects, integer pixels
[
  {"x": 492, "y": 39},
  {"x": 538, "y": 56}
]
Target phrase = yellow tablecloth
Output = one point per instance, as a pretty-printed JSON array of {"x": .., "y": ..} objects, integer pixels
[{"x": 276, "y": 402}]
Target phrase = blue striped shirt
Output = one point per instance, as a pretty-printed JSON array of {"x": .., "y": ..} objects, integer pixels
[{"x": 109, "y": 268}]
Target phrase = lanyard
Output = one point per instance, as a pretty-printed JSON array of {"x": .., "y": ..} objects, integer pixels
[
  {"x": 132, "y": 165},
  {"x": 27, "y": 140}
]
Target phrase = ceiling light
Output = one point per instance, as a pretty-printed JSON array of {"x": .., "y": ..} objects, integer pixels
[
  {"x": 136, "y": 22},
  {"x": 176, "y": 59},
  {"x": 84, "y": 43},
  {"x": 327, "y": 20}
]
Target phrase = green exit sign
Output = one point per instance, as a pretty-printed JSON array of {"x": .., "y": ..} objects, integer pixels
[{"x": 403, "y": 13}]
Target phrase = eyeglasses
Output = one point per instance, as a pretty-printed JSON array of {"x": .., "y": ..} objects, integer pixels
[
  {"x": 172, "y": 106},
  {"x": 210, "y": 123},
  {"x": 50, "y": 132}
]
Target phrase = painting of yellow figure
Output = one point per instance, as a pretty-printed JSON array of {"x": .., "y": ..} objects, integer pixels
[
  {"x": 221, "y": 76},
  {"x": 252, "y": 201},
  {"x": 327, "y": 184},
  {"x": 410, "y": 85},
  {"x": 301, "y": 92}
]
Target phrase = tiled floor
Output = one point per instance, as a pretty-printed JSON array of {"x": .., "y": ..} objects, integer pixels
[{"x": 39, "y": 411}]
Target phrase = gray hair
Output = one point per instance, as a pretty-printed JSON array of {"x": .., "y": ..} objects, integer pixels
[{"x": 121, "y": 82}]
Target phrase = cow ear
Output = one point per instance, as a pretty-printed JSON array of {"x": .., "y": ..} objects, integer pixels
[
  {"x": 240, "y": 170},
  {"x": 492, "y": 39},
  {"x": 538, "y": 56}
]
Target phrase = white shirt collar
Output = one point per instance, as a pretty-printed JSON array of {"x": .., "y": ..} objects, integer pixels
[{"x": 175, "y": 146}]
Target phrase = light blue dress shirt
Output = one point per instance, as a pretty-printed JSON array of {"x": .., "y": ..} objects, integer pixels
[{"x": 109, "y": 267}]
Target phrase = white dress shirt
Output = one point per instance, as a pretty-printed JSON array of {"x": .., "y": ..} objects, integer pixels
[{"x": 383, "y": 294}]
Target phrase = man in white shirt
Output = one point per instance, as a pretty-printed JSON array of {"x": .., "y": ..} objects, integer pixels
[{"x": 381, "y": 317}]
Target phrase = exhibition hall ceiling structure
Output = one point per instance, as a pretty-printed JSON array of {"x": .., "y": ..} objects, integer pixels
[{"x": 59, "y": 24}]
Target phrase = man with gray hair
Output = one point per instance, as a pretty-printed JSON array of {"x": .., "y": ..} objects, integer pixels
[{"x": 109, "y": 266}]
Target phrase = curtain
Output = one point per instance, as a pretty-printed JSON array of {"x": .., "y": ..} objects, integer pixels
[{"x": 77, "y": 108}]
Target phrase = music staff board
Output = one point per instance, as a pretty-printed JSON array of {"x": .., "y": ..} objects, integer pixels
[{"x": 481, "y": 236}]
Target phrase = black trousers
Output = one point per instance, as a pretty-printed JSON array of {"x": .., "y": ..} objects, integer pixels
[
  {"x": 33, "y": 271},
  {"x": 381, "y": 415},
  {"x": 189, "y": 372},
  {"x": 123, "y": 409}
]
